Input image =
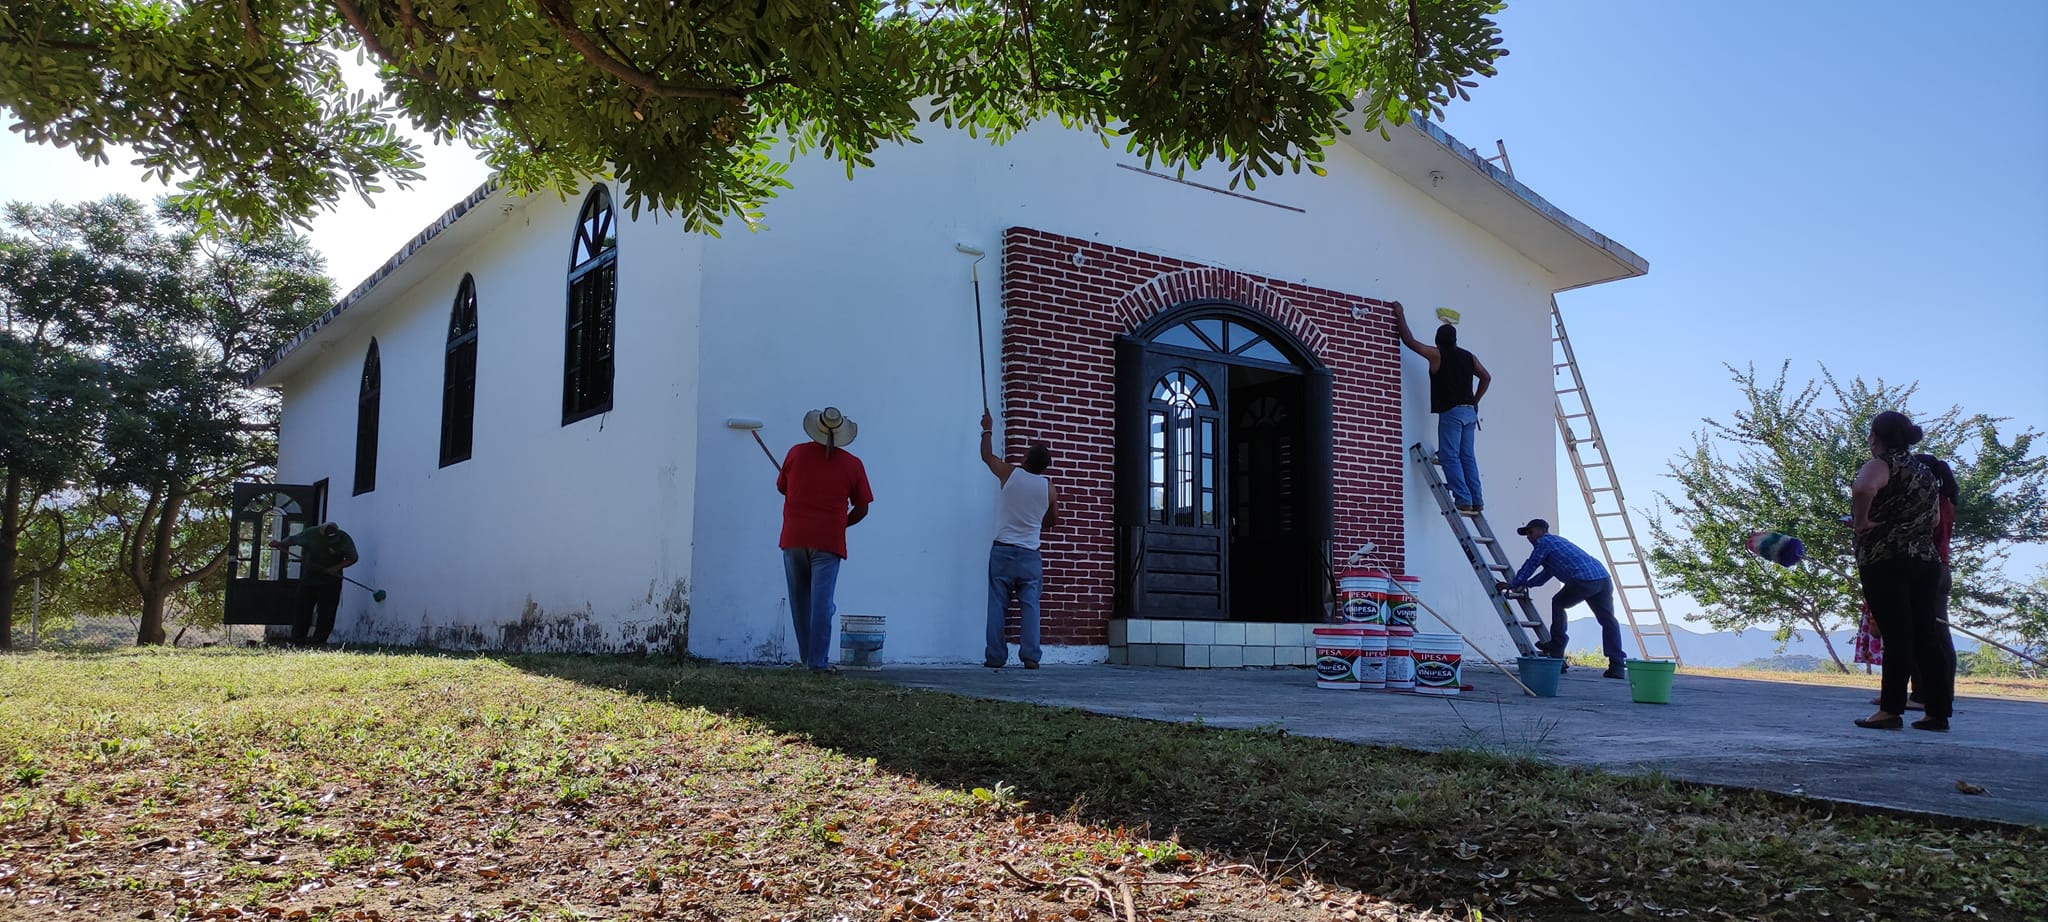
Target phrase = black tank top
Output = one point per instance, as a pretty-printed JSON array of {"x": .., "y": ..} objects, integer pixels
[{"x": 1450, "y": 385}]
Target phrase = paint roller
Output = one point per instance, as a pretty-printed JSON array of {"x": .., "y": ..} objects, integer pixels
[
  {"x": 974, "y": 272},
  {"x": 753, "y": 427}
]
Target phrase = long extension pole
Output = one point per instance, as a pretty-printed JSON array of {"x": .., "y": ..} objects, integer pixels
[{"x": 980, "y": 348}]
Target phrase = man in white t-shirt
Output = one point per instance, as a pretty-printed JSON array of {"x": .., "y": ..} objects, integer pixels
[{"x": 1028, "y": 505}]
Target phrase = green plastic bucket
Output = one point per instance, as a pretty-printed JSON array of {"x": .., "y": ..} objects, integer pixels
[{"x": 1649, "y": 680}]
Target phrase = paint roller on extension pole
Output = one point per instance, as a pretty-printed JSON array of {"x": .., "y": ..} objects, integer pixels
[
  {"x": 1367, "y": 551},
  {"x": 753, "y": 427},
  {"x": 974, "y": 272}
]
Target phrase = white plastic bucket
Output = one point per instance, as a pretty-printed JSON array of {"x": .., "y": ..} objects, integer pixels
[
  {"x": 860, "y": 641},
  {"x": 1439, "y": 660},
  {"x": 1400, "y": 662},
  {"x": 1365, "y": 596},
  {"x": 1337, "y": 657},
  {"x": 1372, "y": 662},
  {"x": 1403, "y": 607}
]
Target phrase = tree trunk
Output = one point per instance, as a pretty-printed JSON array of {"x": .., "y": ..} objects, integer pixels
[
  {"x": 151, "y": 632},
  {"x": 158, "y": 580},
  {"x": 10, "y": 533},
  {"x": 1829, "y": 642}
]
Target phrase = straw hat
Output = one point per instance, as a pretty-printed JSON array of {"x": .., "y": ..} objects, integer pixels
[{"x": 830, "y": 428}]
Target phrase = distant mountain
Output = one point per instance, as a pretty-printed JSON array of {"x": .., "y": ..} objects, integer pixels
[{"x": 1731, "y": 649}]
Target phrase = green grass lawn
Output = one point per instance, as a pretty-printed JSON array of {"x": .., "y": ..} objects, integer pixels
[{"x": 372, "y": 786}]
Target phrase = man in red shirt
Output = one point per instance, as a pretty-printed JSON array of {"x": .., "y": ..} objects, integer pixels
[{"x": 825, "y": 492}]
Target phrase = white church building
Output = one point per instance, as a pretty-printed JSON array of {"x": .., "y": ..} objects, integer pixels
[{"x": 522, "y": 417}]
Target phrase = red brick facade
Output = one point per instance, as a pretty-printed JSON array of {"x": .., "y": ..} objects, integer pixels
[{"x": 1061, "y": 317}]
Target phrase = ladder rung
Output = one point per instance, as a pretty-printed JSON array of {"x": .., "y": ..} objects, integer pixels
[
  {"x": 1481, "y": 539},
  {"x": 1644, "y": 586},
  {"x": 1575, "y": 415},
  {"x": 1607, "y": 514},
  {"x": 1530, "y": 623},
  {"x": 1504, "y": 568}
]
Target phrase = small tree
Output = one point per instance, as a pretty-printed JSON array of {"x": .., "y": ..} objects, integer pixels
[
  {"x": 180, "y": 320},
  {"x": 52, "y": 393},
  {"x": 1785, "y": 464}
]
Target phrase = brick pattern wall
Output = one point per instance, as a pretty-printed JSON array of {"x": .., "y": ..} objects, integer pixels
[{"x": 1061, "y": 316}]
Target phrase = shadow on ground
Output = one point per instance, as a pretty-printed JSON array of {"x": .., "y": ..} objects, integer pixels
[{"x": 1440, "y": 829}]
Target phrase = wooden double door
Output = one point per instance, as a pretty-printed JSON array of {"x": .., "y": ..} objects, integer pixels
[{"x": 1223, "y": 482}]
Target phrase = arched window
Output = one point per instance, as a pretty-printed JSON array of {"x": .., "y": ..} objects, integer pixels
[
  {"x": 1218, "y": 334},
  {"x": 1181, "y": 428},
  {"x": 458, "y": 377},
  {"x": 593, "y": 299},
  {"x": 366, "y": 422}
]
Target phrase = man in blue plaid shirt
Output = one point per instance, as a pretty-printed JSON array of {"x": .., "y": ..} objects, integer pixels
[{"x": 1584, "y": 579}]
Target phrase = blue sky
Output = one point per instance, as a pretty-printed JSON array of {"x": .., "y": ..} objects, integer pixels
[
  {"x": 1860, "y": 188},
  {"x": 1856, "y": 188}
]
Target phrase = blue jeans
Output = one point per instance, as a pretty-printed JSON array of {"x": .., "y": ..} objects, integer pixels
[
  {"x": 1598, "y": 594},
  {"x": 1455, "y": 431},
  {"x": 812, "y": 576},
  {"x": 1020, "y": 571}
]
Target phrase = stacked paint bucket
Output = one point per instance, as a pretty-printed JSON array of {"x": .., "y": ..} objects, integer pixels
[
  {"x": 1401, "y": 611},
  {"x": 1353, "y": 654}
]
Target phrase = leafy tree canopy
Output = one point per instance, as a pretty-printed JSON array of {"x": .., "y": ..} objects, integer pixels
[{"x": 687, "y": 100}]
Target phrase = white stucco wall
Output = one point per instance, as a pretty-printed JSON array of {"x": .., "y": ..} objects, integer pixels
[
  {"x": 856, "y": 297},
  {"x": 582, "y": 533}
]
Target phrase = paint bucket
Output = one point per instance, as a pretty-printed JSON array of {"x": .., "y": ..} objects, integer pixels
[
  {"x": 1337, "y": 657},
  {"x": 1541, "y": 673},
  {"x": 860, "y": 641},
  {"x": 1649, "y": 680},
  {"x": 1404, "y": 608},
  {"x": 1439, "y": 662},
  {"x": 1400, "y": 661},
  {"x": 1372, "y": 662},
  {"x": 1365, "y": 596}
]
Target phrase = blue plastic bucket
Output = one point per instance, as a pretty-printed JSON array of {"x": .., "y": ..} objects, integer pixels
[{"x": 1541, "y": 674}]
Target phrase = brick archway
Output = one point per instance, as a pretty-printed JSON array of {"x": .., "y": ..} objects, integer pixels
[{"x": 1170, "y": 290}]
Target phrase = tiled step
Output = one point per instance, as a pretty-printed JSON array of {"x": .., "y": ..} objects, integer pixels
[{"x": 1210, "y": 644}]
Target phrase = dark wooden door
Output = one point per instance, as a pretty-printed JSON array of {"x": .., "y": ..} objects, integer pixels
[
  {"x": 1185, "y": 564},
  {"x": 262, "y": 581}
]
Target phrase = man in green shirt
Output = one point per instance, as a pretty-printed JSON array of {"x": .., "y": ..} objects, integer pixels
[{"x": 324, "y": 552}]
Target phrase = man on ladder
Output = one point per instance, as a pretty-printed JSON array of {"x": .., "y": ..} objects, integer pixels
[{"x": 1456, "y": 405}]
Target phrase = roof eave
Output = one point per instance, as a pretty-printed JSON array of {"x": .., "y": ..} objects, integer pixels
[
  {"x": 1423, "y": 154},
  {"x": 295, "y": 352}
]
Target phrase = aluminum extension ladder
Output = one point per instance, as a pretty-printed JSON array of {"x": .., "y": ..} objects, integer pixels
[
  {"x": 1489, "y": 560},
  {"x": 1612, "y": 527}
]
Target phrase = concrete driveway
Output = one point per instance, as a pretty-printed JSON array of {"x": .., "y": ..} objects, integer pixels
[{"x": 1787, "y": 737}]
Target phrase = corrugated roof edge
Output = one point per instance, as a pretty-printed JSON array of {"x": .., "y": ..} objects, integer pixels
[
  {"x": 362, "y": 290},
  {"x": 1538, "y": 203}
]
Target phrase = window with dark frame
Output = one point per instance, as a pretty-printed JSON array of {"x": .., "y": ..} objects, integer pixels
[
  {"x": 458, "y": 378},
  {"x": 366, "y": 422},
  {"x": 1182, "y": 465},
  {"x": 593, "y": 301}
]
